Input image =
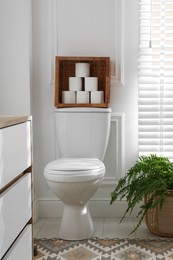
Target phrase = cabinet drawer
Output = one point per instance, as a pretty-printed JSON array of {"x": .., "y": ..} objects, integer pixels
[
  {"x": 15, "y": 211},
  {"x": 22, "y": 248},
  {"x": 15, "y": 151}
]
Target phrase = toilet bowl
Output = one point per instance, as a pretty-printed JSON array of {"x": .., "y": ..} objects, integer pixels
[
  {"x": 82, "y": 135},
  {"x": 74, "y": 181}
]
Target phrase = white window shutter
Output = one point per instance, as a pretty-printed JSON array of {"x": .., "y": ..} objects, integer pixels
[{"x": 156, "y": 77}]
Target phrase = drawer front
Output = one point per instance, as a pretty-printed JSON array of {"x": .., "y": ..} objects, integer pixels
[
  {"x": 15, "y": 151},
  {"x": 22, "y": 248},
  {"x": 15, "y": 211}
]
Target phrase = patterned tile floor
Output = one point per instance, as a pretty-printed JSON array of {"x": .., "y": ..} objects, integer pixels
[{"x": 101, "y": 249}]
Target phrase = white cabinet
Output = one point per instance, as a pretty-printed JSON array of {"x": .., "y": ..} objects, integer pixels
[
  {"x": 22, "y": 248},
  {"x": 15, "y": 155},
  {"x": 15, "y": 188}
]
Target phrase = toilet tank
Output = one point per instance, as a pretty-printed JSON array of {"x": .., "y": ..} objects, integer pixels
[{"x": 82, "y": 132}]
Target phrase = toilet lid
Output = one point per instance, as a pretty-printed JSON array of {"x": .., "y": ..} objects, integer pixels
[
  {"x": 75, "y": 164},
  {"x": 74, "y": 169}
]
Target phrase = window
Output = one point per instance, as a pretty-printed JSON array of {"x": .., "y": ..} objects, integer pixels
[{"x": 156, "y": 77}]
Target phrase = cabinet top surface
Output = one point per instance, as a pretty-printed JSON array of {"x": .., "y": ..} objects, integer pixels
[{"x": 12, "y": 120}]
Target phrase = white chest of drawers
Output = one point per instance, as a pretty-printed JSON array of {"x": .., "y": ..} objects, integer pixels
[{"x": 15, "y": 188}]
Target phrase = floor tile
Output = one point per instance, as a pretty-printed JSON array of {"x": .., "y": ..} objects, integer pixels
[
  {"x": 112, "y": 228},
  {"x": 104, "y": 227},
  {"x": 49, "y": 229},
  {"x": 37, "y": 227},
  {"x": 98, "y": 225}
]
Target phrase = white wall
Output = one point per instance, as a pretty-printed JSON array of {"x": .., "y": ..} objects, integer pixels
[
  {"x": 15, "y": 57},
  {"x": 86, "y": 28}
]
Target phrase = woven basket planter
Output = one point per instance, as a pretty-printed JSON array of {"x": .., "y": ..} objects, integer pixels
[{"x": 160, "y": 221}]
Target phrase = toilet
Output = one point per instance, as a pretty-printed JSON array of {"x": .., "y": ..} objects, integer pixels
[{"x": 82, "y": 136}]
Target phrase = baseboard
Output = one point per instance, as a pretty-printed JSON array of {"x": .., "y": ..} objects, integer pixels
[
  {"x": 35, "y": 210},
  {"x": 98, "y": 208}
]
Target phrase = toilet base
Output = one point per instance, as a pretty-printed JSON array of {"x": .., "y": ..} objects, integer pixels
[{"x": 76, "y": 223}]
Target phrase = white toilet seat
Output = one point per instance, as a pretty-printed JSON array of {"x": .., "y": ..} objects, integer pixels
[{"x": 74, "y": 170}]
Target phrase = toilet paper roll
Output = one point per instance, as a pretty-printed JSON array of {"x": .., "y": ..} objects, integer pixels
[
  {"x": 82, "y": 96},
  {"x": 91, "y": 83},
  {"x": 75, "y": 83},
  {"x": 97, "y": 97},
  {"x": 68, "y": 97},
  {"x": 82, "y": 69}
]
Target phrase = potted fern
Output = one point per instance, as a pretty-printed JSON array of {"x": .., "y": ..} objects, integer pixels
[{"x": 149, "y": 181}]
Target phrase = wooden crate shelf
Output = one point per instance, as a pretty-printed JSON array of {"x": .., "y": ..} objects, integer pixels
[{"x": 65, "y": 68}]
